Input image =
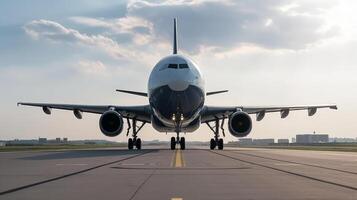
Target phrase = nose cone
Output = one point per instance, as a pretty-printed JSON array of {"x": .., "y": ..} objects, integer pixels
[{"x": 179, "y": 85}]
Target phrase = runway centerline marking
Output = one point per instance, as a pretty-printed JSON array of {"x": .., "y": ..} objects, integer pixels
[{"x": 178, "y": 160}]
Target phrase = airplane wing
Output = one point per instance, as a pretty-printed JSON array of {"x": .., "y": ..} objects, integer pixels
[
  {"x": 211, "y": 113},
  {"x": 140, "y": 113}
]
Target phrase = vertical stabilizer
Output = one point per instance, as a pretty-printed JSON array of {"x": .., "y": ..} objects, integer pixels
[{"x": 175, "y": 36}]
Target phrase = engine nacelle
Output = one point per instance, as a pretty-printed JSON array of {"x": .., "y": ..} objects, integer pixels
[
  {"x": 240, "y": 124},
  {"x": 111, "y": 123}
]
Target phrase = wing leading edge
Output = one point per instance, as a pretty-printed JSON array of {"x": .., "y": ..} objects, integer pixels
[
  {"x": 140, "y": 113},
  {"x": 210, "y": 113}
]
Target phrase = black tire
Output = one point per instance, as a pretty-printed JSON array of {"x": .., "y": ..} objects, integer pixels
[
  {"x": 130, "y": 143},
  {"x": 182, "y": 143},
  {"x": 220, "y": 144},
  {"x": 173, "y": 143},
  {"x": 138, "y": 143},
  {"x": 212, "y": 144}
]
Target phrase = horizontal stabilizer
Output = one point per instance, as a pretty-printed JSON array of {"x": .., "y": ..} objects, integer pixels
[
  {"x": 133, "y": 92},
  {"x": 216, "y": 92}
]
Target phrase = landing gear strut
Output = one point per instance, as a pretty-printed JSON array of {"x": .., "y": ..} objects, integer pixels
[
  {"x": 216, "y": 141},
  {"x": 178, "y": 140},
  {"x": 134, "y": 141}
]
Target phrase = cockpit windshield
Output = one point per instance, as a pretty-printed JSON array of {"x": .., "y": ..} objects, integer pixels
[
  {"x": 183, "y": 66},
  {"x": 172, "y": 66},
  {"x": 175, "y": 66}
]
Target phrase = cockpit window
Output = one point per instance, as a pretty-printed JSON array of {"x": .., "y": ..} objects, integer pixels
[
  {"x": 183, "y": 66},
  {"x": 173, "y": 66}
]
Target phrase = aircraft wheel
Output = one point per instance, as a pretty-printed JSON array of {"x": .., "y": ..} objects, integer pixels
[
  {"x": 220, "y": 144},
  {"x": 138, "y": 143},
  {"x": 130, "y": 143},
  {"x": 173, "y": 143},
  {"x": 212, "y": 144},
  {"x": 182, "y": 143}
]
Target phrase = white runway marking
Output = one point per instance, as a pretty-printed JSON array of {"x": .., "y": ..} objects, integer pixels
[
  {"x": 286, "y": 164},
  {"x": 133, "y": 164},
  {"x": 71, "y": 164},
  {"x": 346, "y": 154}
]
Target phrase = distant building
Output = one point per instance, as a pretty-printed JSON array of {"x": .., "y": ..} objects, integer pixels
[
  {"x": 343, "y": 140},
  {"x": 65, "y": 140},
  {"x": 293, "y": 140},
  {"x": 283, "y": 141},
  {"x": 21, "y": 142},
  {"x": 2, "y": 144},
  {"x": 245, "y": 141},
  {"x": 42, "y": 140},
  {"x": 58, "y": 140},
  {"x": 263, "y": 141},
  {"x": 312, "y": 138}
]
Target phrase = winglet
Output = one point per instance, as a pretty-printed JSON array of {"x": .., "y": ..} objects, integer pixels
[
  {"x": 175, "y": 36},
  {"x": 333, "y": 107}
]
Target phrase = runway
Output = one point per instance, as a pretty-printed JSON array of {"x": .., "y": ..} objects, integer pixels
[{"x": 234, "y": 173}]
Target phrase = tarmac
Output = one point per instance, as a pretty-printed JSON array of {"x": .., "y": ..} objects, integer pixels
[{"x": 194, "y": 173}]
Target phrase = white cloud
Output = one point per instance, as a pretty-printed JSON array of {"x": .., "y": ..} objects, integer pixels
[
  {"x": 91, "y": 67},
  {"x": 140, "y": 29},
  {"x": 233, "y": 23},
  {"x": 93, "y": 22},
  {"x": 45, "y": 29}
]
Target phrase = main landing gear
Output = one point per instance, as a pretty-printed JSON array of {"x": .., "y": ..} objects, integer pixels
[
  {"x": 178, "y": 140},
  {"x": 134, "y": 141},
  {"x": 216, "y": 141}
]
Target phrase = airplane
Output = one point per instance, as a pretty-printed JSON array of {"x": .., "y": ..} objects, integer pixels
[{"x": 176, "y": 95}]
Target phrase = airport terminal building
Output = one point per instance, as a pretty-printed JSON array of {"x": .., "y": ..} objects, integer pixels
[{"x": 312, "y": 138}]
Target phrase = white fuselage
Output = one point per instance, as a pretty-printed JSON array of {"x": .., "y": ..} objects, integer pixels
[{"x": 176, "y": 91}]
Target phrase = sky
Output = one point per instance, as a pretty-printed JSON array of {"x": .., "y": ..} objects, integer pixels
[{"x": 265, "y": 52}]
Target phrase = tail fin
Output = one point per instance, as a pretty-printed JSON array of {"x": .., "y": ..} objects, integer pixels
[{"x": 175, "y": 36}]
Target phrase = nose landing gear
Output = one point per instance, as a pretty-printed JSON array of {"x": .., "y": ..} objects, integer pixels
[{"x": 181, "y": 141}]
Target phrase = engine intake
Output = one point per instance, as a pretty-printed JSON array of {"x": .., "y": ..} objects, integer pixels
[
  {"x": 111, "y": 123},
  {"x": 240, "y": 124}
]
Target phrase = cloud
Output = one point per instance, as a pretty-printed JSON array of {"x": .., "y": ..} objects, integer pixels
[
  {"x": 91, "y": 67},
  {"x": 220, "y": 26},
  {"x": 139, "y": 29},
  {"x": 45, "y": 29},
  {"x": 269, "y": 24},
  {"x": 217, "y": 25}
]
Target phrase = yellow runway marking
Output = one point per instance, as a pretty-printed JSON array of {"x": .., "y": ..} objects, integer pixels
[{"x": 178, "y": 159}]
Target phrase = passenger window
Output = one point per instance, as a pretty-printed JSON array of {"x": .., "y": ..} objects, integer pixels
[
  {"x": 183, "y": 66},
  {"x": 173, "y": 66}
]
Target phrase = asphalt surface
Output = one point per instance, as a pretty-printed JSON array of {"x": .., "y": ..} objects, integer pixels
[{"x": 182, "y": 174}]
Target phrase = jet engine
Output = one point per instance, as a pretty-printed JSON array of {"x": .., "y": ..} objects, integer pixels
[
  {"x": 111, "y": 123},
  {"x": 240, "y": 124}
]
